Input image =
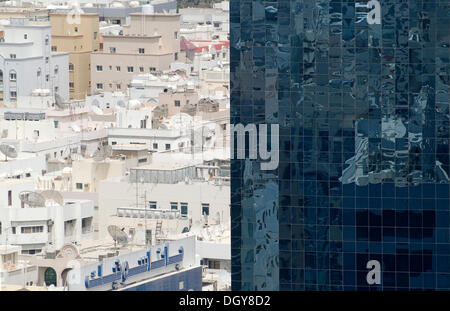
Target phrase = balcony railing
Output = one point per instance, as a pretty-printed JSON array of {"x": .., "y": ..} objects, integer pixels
[{"x": 149, "y": 213}]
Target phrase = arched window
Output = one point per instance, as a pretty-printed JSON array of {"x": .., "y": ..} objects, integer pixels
[{"x": 12, "y": 75}]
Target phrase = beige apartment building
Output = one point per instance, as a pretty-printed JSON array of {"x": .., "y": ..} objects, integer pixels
[
  {"x": 150, "y": 42},
  {"x": 177, "y": 100},
  {"x": 80, "y": 40}
]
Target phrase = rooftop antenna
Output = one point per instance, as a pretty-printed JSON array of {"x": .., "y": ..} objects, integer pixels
[
  {"x": 8, "y": 151},
  {"x": 52, "y": 195},
  {"x": 32, "y": 199},
  {"x": 118, "y": 235}
]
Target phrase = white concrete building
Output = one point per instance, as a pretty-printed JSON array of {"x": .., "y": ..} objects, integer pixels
[
  {"x": 32, "y": 228},
  {"x": 31, "y": 132},
  {"x": 174, "y": 261},
  {"x": 191, "y": 190},
  {"x": 134, "y": 118},
  {"x": 14, "y": 271},
  {"x": 156, "y": 140},
  {"x": 27, "y": 62}
]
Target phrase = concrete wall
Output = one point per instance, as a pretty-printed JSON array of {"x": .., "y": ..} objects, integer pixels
[{"x": 114, "y": 194}]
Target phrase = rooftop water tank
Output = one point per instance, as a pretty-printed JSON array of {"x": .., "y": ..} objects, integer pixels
[{"x": 148, "y": 9}]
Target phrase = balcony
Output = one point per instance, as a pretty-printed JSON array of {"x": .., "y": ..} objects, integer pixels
[{"x": 132, "y": 212}]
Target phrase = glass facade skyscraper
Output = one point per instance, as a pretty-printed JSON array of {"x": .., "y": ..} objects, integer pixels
[{"x": 363, "y": 112}]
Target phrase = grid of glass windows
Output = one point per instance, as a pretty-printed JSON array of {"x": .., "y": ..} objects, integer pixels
[{"x": 363, "y": 112}]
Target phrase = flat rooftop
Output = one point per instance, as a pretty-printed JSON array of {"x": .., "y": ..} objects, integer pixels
[
  {"x": 130, "y": 147},
  {"x": 164, "y": 166}
]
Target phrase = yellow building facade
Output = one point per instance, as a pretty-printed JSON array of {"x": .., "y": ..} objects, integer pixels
[{"x": 80, "y": 40}]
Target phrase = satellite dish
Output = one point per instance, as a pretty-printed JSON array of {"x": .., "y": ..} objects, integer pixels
[
  {"x": 32, "y": 199},
  {"x": 52, "y": 195},
  {"x": 59, "y": 102},
  {"x": 118, "y": 235},
  {"x": 102, "y": 153},
  {"x": 97, "y": 110},
  {"x": 8, "y": 151},
  {"x": 75, "y": 128}
]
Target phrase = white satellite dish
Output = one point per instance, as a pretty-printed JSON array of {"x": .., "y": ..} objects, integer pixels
[
  {"x": 59, "y": 102},
  {"x": 117, "y": 234},
  {"x": 52, "y": 195},
  {"x": 75, "y": 128},
  {"x": 102, "y": 153},
  {"x": 97, "y": 110},
  {"x": 8, "y": 151},
  {"x": 32, "y": 199}
]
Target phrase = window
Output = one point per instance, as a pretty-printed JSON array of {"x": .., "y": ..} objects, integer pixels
[
  {"x": 167, "y": 146},
  {"x": 38, "y": 73},
  {"x": 205, "y": 209},
  {"x": 141, "y": 50},
  {"x": 25, "y": 36},
  {"x": 13, "y": 94},
  {"x": 12, "y": 55},
  {"x": 152, "y": 69},
  {"x": 155, "y": 146},
  {"x": 56, "y": 69},
  {"x": 143, "y": 160},
  {"x": 56, "y": 123},
  {"x": 99, "y": 68},
  {"x": 100, "y": 86},
  {"x": 176, "y": 56},
  {"x": 112, "y": 50},
  {"x": 141, "y": 69},
  {"x": 177, "y": 103},
  {"x": 117, "y": 68},
  {"x": 79, "y": 186},
  {"x": 46, "y": 60},
  {"x": 71, "y": 66},
  {"x": 47, "y": 40},
  {"x": 175, "y": 34},
  {"x": 110, "y": 67},
  {"x": 54, "y": 48},
  {"x": 47, "y": 77},
  {"x": 152, "y": 204},
  {"x": 184, "y": 208},
  {"x": 130, "y": 68},
  {"x": 119, "y": 86},
  {"x": 9, "y": 197},
  {"x": 95, "y": 35},
  {"x": 174, "y": 206},
  {"x": 12, "y": 75},
  {"x": 56, "y": 89},
  {"x": 32, "y": 229},
  {"x": 71, "y": 85},
  {"x": 76, "y": 29}
]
